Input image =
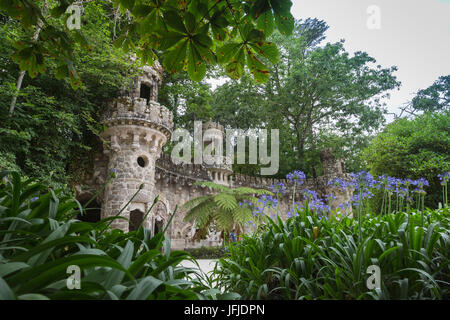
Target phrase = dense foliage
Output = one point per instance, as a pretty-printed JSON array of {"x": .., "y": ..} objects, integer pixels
[
  {"x": 52, "y": 133},
  {"x": 311, "y": 258},
  {"x": 40, "y": 238},
  {"x": 190, "y": 34},
  {"x": 318, "y": 95},
  {"x": 413, "y": 148}
]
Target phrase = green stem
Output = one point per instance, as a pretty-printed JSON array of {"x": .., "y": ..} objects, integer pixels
[
  {"x": 148, "y": 211},
  {"x": 293, "y": 200},
  {"x": 121, "y": 210}
]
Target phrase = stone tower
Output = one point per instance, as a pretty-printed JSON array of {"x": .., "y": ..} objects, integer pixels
[
  {"x": 219, "y": 166},
  {"x": 137, "y": 129}
]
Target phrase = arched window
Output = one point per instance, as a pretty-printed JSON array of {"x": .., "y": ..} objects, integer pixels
[
  {"x": 136, "y": 218},
  {"x": 145, "y": 92}
]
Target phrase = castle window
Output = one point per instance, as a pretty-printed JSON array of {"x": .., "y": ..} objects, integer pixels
[
  {"x": 141, "y": 162},
  {"x": 145, "y": 91}
]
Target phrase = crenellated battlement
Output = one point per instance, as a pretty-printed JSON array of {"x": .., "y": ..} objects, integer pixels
[
  {"x": 129, "y": 111},
  {"x": 212, "y": 125}
]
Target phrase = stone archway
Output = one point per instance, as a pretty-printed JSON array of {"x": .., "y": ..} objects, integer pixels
[{"x": 160, "y": 218}]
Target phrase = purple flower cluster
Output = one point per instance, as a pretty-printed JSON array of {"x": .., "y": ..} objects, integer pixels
[
  {"x": 355, "y": 199},
  {"x": 314, "y": 202},
  {"x": 293, "y": 211},
  {"x": 246, "y": 204},
  {"x": 256, "y": 210},
  {"x": 296, "y": 177},
  {"x": 268, "y": 201},
  {"x": 339, "y": 184},
  {"x": 278, "y": 188},
  {"x": 363, "y": 181},
  {"x": 444, "y": 177}
]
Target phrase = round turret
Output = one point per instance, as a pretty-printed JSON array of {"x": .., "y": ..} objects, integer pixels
[
  {"x": 137, "y": 127},
  {"x": 218, "y": 165}
]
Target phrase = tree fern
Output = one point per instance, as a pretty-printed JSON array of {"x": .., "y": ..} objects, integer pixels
[
  {"x": 226, "y": 201},
  {"x": 222, "y": 208}
]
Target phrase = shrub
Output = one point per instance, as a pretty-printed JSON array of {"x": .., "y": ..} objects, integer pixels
[
  {"x": 311, "y": 258},
  {"x": 416, "y": 148},
  {"x": 40, "y": 238}
]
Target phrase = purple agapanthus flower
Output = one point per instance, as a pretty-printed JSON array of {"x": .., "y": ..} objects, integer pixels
[
  {"x": 268, "y": 201},
  {"x": 444, "y": 177},
  {"x": 310, "y": 195},
  {"x": 296, "y": 177},
  {"x": 278, "y": 188},
  {"x": 338, "y": 183}
]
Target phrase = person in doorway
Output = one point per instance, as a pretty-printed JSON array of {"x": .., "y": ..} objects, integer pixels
[{"x": 233, "y": 236}]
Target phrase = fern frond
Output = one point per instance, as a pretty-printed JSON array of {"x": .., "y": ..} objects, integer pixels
[
  {"x": 224, "y": 219},
  {"x": 226, "y": 201},
  {"x": 242, "y": 215},
  {"x": 213, "y": 185},
  {"x": 200, "y": 213},
  {"x": 247, "y": 190},
  {"x": 195, "y": 202}
]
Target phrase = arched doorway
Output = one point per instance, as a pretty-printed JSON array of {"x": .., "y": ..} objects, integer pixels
[
  {"x": 91, "y": 213},
  {"x": 136, "y": 218},
  {"x": 159, "y": 218}
]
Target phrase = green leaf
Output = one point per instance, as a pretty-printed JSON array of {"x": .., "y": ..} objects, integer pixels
[
  {"x": 174, "y": 59},
  {"x": 257, "y": 68},
  {"x": 144, "y": 288},
  {"x": 265, "y": 22},
  {"x": 11, "y": 267},
  {"x": 191, "y": 24},
  {"x": 174, "y": 20},
  {"x": 284, "y": 23},
  {"x": 127, "y": 4},
  {"x": 196, "y": 66},
  {"x": 268, "y": 50},
  {"x": 5, "y": 291},
  {"x": 226, "y": 201}
]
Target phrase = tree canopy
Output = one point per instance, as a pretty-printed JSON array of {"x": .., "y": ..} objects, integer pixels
[
  {"x": 189, "y": 34},
  {"x": 315, "y": 93}
]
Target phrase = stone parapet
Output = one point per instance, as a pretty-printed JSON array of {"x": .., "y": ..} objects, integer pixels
[{"x": 127, "y": 110}]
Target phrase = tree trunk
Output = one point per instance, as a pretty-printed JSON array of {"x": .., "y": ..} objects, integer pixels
[
  {"x": 300, "y": 150},
  {"x": 22, "y": 73}
]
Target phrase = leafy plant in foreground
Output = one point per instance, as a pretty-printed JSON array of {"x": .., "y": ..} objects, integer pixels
[
  {"x": 40, "y": 238},
  {"x": 311, "y": 258}
]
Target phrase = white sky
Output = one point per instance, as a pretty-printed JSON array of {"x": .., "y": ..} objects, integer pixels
[{"x": 414, "y": 35}]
